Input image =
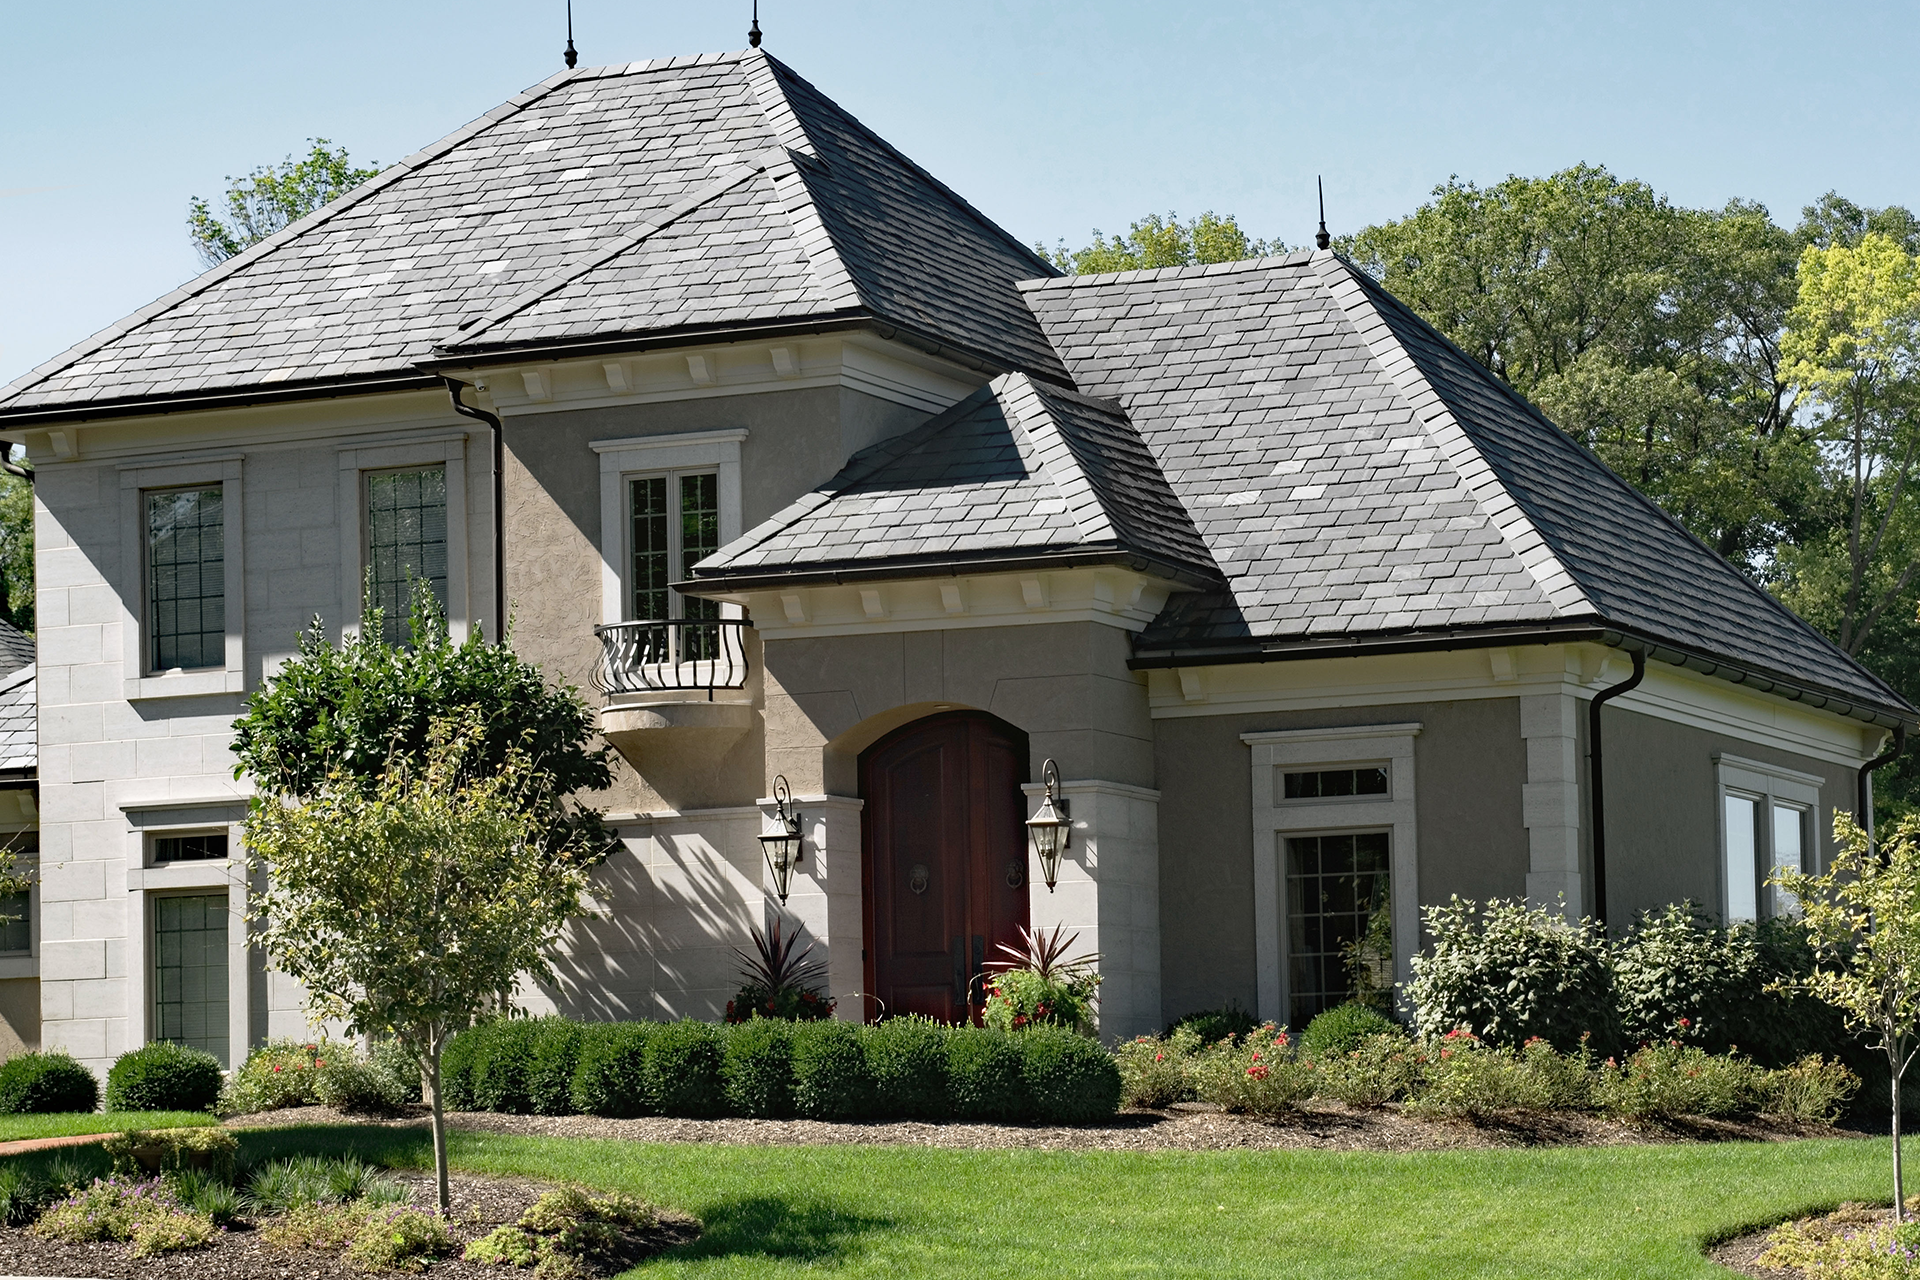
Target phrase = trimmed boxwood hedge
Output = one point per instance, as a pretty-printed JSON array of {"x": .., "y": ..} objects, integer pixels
[
  {"x": 900, "y": 1069},
  {"x": 46, "y": 1084},
  {"x": 164, "y": 1076}
]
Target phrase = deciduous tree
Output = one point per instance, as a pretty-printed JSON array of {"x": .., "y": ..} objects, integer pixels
[
  {"x": 1162, "y": 242},
  {"x": 271, "y": 198}
]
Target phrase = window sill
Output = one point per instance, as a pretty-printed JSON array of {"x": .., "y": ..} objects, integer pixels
[
  {"x": 185, "y": 875},
  {"x": 186, "y": 684},
  {"x": 18, "y": 965}
]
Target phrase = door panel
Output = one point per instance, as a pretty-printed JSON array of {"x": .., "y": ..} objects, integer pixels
[{"x": 945, "y": 859}]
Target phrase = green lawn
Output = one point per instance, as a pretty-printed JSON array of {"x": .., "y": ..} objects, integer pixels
[
  {"x": 14, "y": 1128},
  {"x": 894, "y": 1211}
]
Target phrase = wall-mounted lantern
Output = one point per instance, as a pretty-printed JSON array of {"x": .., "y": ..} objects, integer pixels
[
  {"x": 782, "y": 847},
  {"x": 1048, "y": 827}
]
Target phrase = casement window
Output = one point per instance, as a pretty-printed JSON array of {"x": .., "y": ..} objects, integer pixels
[
  {"x": 406, "y": 541},
  {"x": 186, "y": 578},
  {"x": 189, "y": 974},
  {"x": 195, "y": 846},
  {"x": 1768, "y": 823},
  {"x": 674, "y": 523},
  {"x": 1335, "y": 865}
]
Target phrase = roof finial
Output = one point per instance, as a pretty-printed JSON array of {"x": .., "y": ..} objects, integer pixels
[
  {"x": 1321, "y": 237},
  {"x": 572, "y": 55},
  {"x": 753, "y": 32}
]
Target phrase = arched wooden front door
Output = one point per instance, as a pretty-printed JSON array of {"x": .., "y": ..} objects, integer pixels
[{"x": 945, "y": 859}]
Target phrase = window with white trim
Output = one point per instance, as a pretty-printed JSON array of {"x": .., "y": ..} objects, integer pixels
[
  {"x": 186, "y": 578},
  {"x": 1767, "y": 824},
  {"x": 674, "y": 523},
  {"x": 406, "y": 542}
]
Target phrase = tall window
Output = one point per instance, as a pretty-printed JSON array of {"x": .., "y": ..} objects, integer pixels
[
  {"x": 186, "y": 579},
  {"x": 1764, "y": 834},
  {"x": 406, "y": 541},
  {"x": 190, "y": 971},
  {"x": 1339, "y": 917},
  {"x": 676, "y": 524}
]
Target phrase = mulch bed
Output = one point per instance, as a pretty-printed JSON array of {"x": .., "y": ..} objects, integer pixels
[
  {"x": 1184, "y": 1127},
  {"x": 1738, "y": 1253},
  {"x": 479, "y": 1205}
]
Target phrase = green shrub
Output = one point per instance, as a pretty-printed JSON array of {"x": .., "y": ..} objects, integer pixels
[
  {"x": 1261, "y": 1075},
  {"x": 1380, "y": 1069},
  {"x": 563, "y": 1230},
  {"x": 1463, "y": 1076},
  {"x": 397, "y": 1069},
  {"x": 758, "y": 1070},
  {"x": 1813, "y": 1090},
  {"x": 164, "y": 1077},
  {"x": 1071, "y": 1078},
  {"x": 1341, "y": 1029},
  {"x": 611, "y": 1079},
  {"x": 23, "y": 1194},
  {"x": 986, "y": 1076},
  {"x": 502, "y": 1071},
  {"x": 556, "y": 1056},
  {"x": 682, "y": 1067},
  {"x": 457, "y": 1062},
  {"x": 347, "y": 1083},
  {"x": 831, "y": 1080},
  {"x": 1509, "y": 972},
  {"x": 144, "y": 1152},
  {"x": 1217, "y": 1024},
  {"x": 1022, "y": 998},
  {"x": 1154, "y": 1070},
  {"x": 278, "y": 1074},
  {"x": 1669, "y": 1080},
  {"x": 282, "y": 1186},
  {"x": 46, "y": 1083},
  {"x": 145, "y": 1212},
  {"x": 907, "y": 1058},
  {"x": 399, "y": 1239},
  {"x": 1677, "y": 975}
]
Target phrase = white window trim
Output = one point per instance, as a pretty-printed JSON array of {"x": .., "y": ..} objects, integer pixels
[
  {"x": 355, "y": 462},
  {"x": 134, "y": 482},
  {"x": 623, "y": 460},
  {"x": 1275, "y": 818},
  {"x": 175, "y": 817},
  {"x": 1769, "y": 782}
]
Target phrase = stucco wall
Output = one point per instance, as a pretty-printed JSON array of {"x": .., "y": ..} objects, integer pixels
[
  {"x": 19, "y": 1016},
  {"x": 1469, "y": 762}
]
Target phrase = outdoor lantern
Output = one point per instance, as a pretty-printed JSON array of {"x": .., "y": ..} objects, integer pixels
[
  {"x": 782, "y": 847},
  {"x": 1048, "y": 828}
]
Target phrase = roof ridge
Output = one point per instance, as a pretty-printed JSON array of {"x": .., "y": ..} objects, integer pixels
[
  {"x": 795, "y": 195},
  {"x": 1060, "y": 462},
  {"x": 292, "y": 231},
  {"x": 1555, "y": 580},
  {"x": 1292, "y": 258},
  {"x": 16, "y": 678}
]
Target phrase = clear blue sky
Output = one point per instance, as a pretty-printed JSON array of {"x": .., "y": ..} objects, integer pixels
[{"x": 1052, "y": 117}]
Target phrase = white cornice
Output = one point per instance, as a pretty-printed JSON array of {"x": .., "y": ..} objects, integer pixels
[{"x": 1110, "y": 596}]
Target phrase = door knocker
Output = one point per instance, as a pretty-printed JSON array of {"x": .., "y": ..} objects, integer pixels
[
  {"x": 1016, "y": 874},
  {"x": 919, "y": 877}
]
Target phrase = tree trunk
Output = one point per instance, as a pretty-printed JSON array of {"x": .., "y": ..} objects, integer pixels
[
  {"x": 432, "y": 1083},
  {"x": 1899, "y": 1191}
]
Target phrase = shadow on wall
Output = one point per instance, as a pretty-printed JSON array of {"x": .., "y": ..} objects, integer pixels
[{"x": 665, "y": 947}]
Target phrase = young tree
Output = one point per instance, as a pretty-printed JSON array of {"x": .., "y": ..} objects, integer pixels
[
  {"x": 16, "y": 550},
  {"x": 406, "y": 907},
  {"x": 271, "y": 198},
  {"x": 1863, "y": 918},
  {"x": 1161, "y": 242}
]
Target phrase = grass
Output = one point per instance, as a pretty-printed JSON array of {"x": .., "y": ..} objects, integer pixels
[
  {"x": 901, "y": 1211},
  {"x": 64, "y": 1124}
]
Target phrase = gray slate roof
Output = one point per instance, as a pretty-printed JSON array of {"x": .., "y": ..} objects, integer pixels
[
  {"x": 19, "y": 721},
  {"x": 1353, "y": 473},
  {"x": 1019, "y": 469},
  {"x": 654, "y": 197},
  {"x": 16, "y": 648}
]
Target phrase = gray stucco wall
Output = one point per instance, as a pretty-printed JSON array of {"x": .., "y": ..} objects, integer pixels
[{"x": 1469, "y": 763}]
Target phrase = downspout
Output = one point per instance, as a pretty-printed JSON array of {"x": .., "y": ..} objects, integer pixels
[
  {"x": 1863, "y": 808},
  {"x": 499, "y": 505},
  {"x": 1595, "y": 786}
]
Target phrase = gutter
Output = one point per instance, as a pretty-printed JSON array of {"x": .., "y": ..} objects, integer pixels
[
  {"x": 948, "y": 566},
  {"x": 1595, "y": 781},
  {"x": 499, "y": 506},
  {"x": 1863, "y": 807},
  {"x": 187, "y": 402}
]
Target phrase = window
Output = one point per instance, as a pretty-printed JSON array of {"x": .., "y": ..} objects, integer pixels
[
  {"x": 1767, "y": 817},
  {"x": 406, "y": 541},
  {"x": 186, "y": 578},
  {"x": 675, "y": 522},
  {"x": 190, "y": 971},
  {"x": 1322, "y": 784},
  {"x": 16, "y": 933},
  {"x": 1339, "y": 919},
  {"x": 199, "y": 847}
]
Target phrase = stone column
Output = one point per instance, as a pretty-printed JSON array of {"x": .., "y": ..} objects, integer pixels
[
  {"x": 1550, "y": 802},
  {"x": 1108, "y": 892},
  {"x": 824, "y": 894}
]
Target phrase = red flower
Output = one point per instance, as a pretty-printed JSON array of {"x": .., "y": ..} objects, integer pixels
[
  {"x": 770, "y": 1006},
  {"x": 1258, "y": 1071},
  {"x": 1159, "y": 1057},
  {"x": 1256, "y": 1055},
  {"x": 276, "y": 1067},
  {"x": 1686, "y": 1022}
]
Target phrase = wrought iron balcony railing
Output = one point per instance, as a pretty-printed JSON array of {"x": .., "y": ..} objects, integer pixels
[{"x": 672, "y": 653}]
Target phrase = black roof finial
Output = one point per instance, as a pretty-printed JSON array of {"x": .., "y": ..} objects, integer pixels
[
  {"x": 753, "y": 32},
  {"x": 1321, "y": 237},
  {"x": 572, "y": 55}
]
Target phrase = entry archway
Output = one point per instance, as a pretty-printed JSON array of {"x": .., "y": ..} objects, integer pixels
[{"x": 944, "y": 859}]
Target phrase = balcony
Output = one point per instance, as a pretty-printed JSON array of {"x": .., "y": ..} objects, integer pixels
[{"x": 669, "y": 655}]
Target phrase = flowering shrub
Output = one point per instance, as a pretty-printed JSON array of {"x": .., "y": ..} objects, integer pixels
[
  {"x": 778, "y": 981},
  {"x": 1154, "y": 1069},
  {"x": 1509, "y": 972},
  {"x": 1464, "y": 1076},
  {"x": 1022, "y": 998},
  {"x": 794, "y": 1004},
  {"x": 1666, "y": 1081},
  {"x": 279, "y": 1074},
  {"x": 1261, "y": 1075},
  {"x": 1812, "y": 1090},
  {"x": 1382, "y": 1068},
  {"x": 144, "y": 1211},
  {"x": 1852, "y": 1243}
]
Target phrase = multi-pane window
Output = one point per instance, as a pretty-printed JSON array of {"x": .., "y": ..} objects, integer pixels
[
  {"x": 186, "y": 579},
  {"x": 675, "y": 525},
  {"x": 200, "y": 846},
  {"x": 1333, "y": 784},
  {"x": 190, "y": 971},
  {"x": 1337, "y": 917},
  {"x": 16, "y": 931},
  {"x": 406, "y": 541},
  {"x": 1764, "y": 835}
]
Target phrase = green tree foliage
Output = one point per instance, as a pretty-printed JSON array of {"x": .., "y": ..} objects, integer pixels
[
  {"x": 271, "y": 198},
  {"x": 1648, "y": 331},
  {"x": 1863, "y": 918},
  {"x": 16, "y": 551},
  {"x": 347, "y": 711},
  {"x": 1161, "y": 242},
  {"x": 406, "y": 907}
]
